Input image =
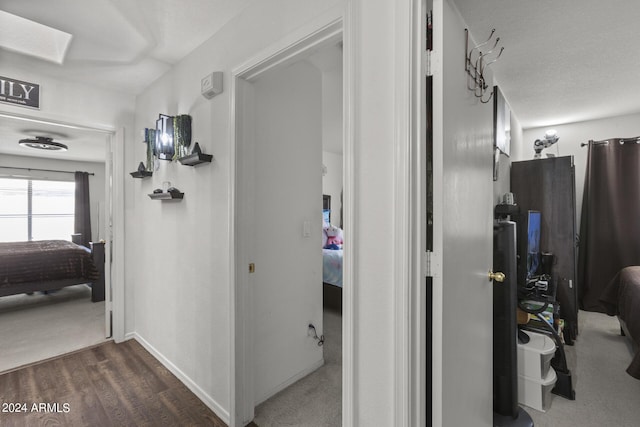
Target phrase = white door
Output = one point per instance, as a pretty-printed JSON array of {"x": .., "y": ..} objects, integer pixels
[
  {"x": 286, "y": 246},
  {"x": 463, "y": 217}
]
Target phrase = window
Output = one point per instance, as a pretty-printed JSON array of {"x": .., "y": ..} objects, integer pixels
[{"x": 36, "y": 209}]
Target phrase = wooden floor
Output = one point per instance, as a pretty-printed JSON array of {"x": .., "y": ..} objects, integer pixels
[{"x": 107, "y": 385}]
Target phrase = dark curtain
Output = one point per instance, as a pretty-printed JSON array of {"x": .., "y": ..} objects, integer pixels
[
  {"x": 82, "y": 210},
  {"x": 610, "y": 221}
]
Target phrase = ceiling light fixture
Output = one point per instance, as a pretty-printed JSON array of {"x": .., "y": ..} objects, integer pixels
[{"x": 43, "y": 143}]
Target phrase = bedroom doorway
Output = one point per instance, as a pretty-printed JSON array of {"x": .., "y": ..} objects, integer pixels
[
  {"x": 89, "y": 150},
  {"x": 278, "y": 283}
]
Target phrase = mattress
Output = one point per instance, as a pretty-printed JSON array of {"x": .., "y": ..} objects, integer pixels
[
  {"x": 621, "y": 297},
  {"x": 332, "y": 266},
  {"x": 43, "y": 261}
]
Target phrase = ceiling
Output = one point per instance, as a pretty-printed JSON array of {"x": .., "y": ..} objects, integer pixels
[
  {"x": 86, "y": 145},
  {"x": 122, "y": 45},
  {"x": 564, "y": 61}
]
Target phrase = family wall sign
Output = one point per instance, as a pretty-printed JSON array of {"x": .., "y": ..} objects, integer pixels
[{"x": 18, "y": 92}]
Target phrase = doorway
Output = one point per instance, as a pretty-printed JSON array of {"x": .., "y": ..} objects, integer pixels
[
  {"x": 87, "y": 323},
  {"x": 277, "y": 261}
]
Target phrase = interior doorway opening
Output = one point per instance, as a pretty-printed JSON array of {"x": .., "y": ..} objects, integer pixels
[
  {"x": 87, "y": 322},
  {"x": 280, "y": 162}
]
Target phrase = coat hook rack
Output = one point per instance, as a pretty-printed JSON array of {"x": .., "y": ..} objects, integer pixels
[{"x": 476, "y": 63}]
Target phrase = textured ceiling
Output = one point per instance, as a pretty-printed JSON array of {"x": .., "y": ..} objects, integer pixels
[
  {"x": 122, "y": 45},
  {"x": 564, "y": 61}
]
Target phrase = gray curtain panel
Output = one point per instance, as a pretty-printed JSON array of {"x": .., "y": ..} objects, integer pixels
[
  {"x": 82, "y": 209},
  {"x": 610, "y": 221}
]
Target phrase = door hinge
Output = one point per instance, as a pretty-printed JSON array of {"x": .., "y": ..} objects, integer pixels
[
  {"x": 426, "y": 264},
  {"x": 430, "y": 264},
  {"x": 252, "y": 268},
  {"x": 427, "y": 64}
]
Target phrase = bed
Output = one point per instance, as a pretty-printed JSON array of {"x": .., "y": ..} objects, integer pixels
[
  {"x": 621, "y": 297},
  {"x": 46, "y": 265},
  {"x": 332, "y": 256},
  {"x": 332, "y": 267}
]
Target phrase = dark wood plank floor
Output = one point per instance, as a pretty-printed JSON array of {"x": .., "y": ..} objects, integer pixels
[{"x": 106, "y": 385}]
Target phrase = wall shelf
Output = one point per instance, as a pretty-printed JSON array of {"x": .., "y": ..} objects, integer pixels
[
  {"x": 141, "y": 174},
  {"x": 174, "y": 195},
  {"x": 196, "y": 157}
]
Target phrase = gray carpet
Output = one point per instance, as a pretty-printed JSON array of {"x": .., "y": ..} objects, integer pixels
[
  {"x": 315, "y": 400},
  {"x": 605, "y": 394},
  {"x": 37, "y": 327}
]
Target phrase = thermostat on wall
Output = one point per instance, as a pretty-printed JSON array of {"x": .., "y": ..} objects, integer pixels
[{"x": 211, "y": 85}]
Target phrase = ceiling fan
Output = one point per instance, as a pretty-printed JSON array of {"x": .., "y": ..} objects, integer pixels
[{"x": 43, "y": 143}]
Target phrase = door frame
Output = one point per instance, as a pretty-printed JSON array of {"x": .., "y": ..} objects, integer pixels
[{"x": 324, "y": 30}]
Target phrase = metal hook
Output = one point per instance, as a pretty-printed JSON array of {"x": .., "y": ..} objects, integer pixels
[
  {"x": 492, "y": 61},
  {"x": 481, "y": 44},
  {"x": 482, "y": 55},
  {"x": 475, "y": 68},
  {"x": 488, "y": 99}
]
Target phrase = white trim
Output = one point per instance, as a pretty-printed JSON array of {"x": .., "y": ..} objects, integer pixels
[
  {"x": 403, "y": 173},
  {"x": 322, "y": 30},
  {"x": 106, "y": 232},
  {"x": 45, "y": 120},
  {"x": 287, "y": 52},
  {"x": 438, "y": 214},
  {"x": 241, "y": 349},
  {"x": 350, "y": 369},
  {"x": 117, "y": 247},
  {"x": 418, "y": 334},
  {"x": 217, "y": 408}
]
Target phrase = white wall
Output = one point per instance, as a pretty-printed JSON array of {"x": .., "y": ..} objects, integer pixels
[
  {"x": 180, "y": 280},
  {"x": 572, "y": 135},
  {"x": 503, "y": 184},
  {"x": 96, "y": 181},
  {"x": 332, "y": 107},
  {"x": 287, "y": 283},
  {"x": 332, "y": 137},
  {"x": 71, "y": 102},
  {"x": 332, "y": 183}
]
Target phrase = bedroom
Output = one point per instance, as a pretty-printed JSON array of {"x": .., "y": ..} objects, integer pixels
[
  {"x": 606, "y": 111},
  {"x": 39, "y": 203}
]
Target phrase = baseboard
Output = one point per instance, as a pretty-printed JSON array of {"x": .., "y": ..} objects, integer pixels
[
  {"x": 288, "y": 382},
  {"x": 191, "y": 385}
]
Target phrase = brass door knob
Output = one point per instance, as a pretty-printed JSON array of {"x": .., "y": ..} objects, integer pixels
[{"x": 497, "y": 276}]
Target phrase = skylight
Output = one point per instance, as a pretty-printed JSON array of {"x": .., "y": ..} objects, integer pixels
[{"x": 31, "y": 38}]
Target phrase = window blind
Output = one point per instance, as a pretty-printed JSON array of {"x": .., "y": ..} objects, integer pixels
[{"x": 36, "y": 209}]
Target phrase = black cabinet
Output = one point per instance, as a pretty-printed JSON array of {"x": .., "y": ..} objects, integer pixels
[{"x": 548, "y": 185}]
